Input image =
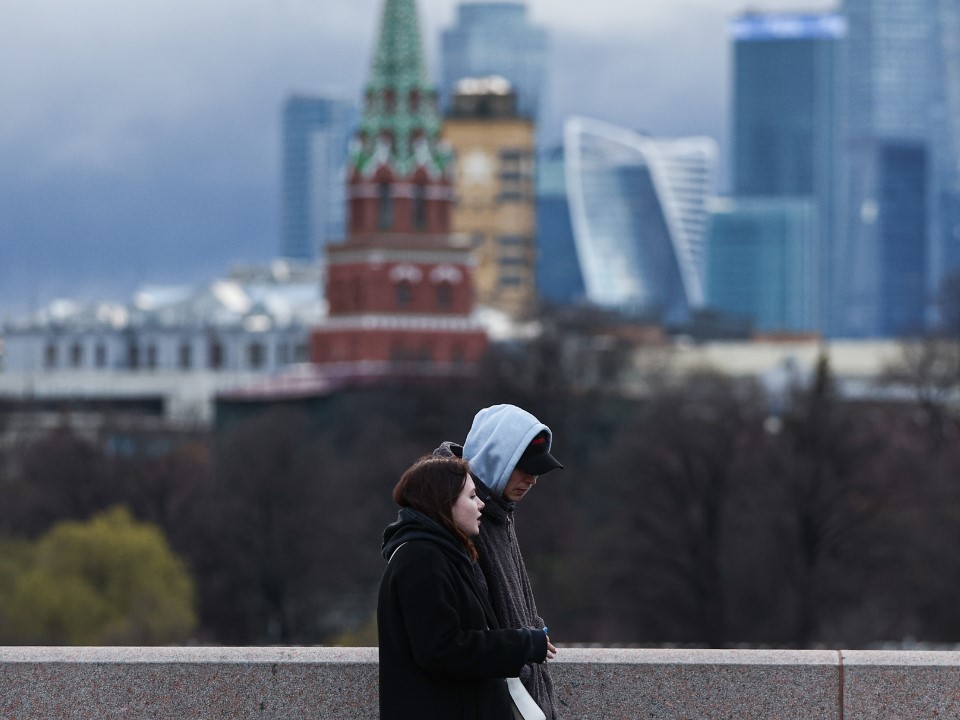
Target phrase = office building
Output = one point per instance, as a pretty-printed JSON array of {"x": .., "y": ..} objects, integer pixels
[
  {"x": 559, "y": 279},
  {"x": 761, "y": 263},
  {"x": 638, "y": 207},
  {"x": 902, "y": 67},
  {"x": 315, "y": 136},
  {"x": 495, "y": 194},
  {"x": 496, "y": 38},
  {"x": 785, "y": 119}
]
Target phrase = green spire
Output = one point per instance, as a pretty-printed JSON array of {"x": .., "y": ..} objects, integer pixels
[{"x": 400, "y": 122}]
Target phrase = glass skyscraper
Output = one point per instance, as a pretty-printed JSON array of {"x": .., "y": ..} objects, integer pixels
[
  {"x": 496, "y": 38},
  {"x": 639, "y": 215},
  {"x": 558, "y": 271},
  {"x": 785, "y": 115},
  {"x": 900, "y": 135},
  {"x": 761, "y": 263},
  {"x": 316, "y": 133}
]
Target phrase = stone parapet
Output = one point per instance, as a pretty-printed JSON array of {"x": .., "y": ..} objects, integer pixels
[{"x": 341, "y": 683}]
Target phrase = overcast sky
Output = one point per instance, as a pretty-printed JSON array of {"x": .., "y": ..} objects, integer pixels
[{"x": 140, "y": 140}]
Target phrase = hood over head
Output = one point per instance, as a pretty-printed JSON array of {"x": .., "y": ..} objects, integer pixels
[{"x": 499, "y": 436}]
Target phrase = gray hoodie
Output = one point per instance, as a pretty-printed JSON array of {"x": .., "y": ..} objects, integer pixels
[{"x": 496, "y": 441}]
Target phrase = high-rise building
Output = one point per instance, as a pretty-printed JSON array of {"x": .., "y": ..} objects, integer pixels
[
  {"x": 638, "y": 206},
  {"x": 496, "y": 38},
  {"x": 495, "y": 205},
  {"x": 901, "y": 95},
  {"x": 785, "y": 141},
  {"x": 761, "y": 263},
  {"x": 316, "y": 132},
  {"x": 559, "y": 279},
  {"x": 399, "y": 288}
]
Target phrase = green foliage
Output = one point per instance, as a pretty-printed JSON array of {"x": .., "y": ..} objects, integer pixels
[{"x": 107, "y": 581}]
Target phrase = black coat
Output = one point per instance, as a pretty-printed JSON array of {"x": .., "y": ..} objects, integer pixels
[{"x": 442, "y": 654}]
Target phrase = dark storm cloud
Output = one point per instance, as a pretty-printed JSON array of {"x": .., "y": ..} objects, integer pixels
[{"x": 140, "y": 140}]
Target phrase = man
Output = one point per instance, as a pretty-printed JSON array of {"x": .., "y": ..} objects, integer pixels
[{"x": 508, "y": 449}]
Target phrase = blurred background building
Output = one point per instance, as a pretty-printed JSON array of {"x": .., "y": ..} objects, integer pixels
[
  {"x": 639, "y": 213},
  {"x": 784, "y": 119},
  {"x": 316, "y": 132},
  {"x": 496, "y": 38},
  {"x": 495, "y": 206},
  {"x": 898, "y": 164},
  {"x": 559, "y": 279},
  {"x": 761, "y": 265},
  {"x": 400, "y": 287}
]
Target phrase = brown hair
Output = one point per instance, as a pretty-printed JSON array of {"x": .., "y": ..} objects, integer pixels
[{"x": 432, "y": 485}]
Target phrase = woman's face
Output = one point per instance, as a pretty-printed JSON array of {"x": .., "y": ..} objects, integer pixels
[{"x": 466, "y": 509}]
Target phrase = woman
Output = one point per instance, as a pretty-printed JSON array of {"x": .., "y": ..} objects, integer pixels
[{"x": 443, "y": 655}]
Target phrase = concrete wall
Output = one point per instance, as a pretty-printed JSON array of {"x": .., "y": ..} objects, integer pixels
[{"x": 341, "y": 683}]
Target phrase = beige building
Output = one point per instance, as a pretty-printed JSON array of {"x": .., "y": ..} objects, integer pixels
[{"x": 495, "y": 204}]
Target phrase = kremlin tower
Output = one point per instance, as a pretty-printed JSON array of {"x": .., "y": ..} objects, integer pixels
[{"x": 399, "y": 288}]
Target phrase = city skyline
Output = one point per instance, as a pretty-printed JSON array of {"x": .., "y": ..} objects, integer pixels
[{"x": 143, "y": 144}]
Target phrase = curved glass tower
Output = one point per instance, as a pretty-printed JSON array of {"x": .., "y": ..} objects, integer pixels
[{"x": 638, "y": 207}]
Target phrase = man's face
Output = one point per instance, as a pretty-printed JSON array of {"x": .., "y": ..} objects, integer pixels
[{"x": 518, "y": 485}]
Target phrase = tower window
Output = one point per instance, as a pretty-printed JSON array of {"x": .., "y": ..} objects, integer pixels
[
  {"x": 419, "y": 207},
  {"x": 444, "y": 296},
  {"x": 404, "y": 294},
  {"x": 384, "y": 207}
]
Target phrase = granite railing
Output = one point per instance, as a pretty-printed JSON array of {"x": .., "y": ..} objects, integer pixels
[{"x": 292, "y": 682}]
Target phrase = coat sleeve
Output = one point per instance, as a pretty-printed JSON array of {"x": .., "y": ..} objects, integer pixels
[{"x": 427, "y": 592}]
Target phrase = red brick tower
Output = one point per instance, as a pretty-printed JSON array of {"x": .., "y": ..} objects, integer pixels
[{"x": 399, "y": 288}]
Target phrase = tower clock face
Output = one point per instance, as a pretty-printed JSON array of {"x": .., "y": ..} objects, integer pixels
[{"x": 477, "y": 167}]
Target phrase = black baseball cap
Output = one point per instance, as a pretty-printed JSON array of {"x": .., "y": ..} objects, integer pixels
[{"x": 536, "y": 459}]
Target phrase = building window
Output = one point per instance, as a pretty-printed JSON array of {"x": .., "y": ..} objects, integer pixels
[
  {"x": 100, "y": 356},
  {"x": 185, "y": 356},
  {"x": 151, "y": 356},
  {"x": 301, "y": 353},
  {"x": 384, "y": 207},
  {"x": 511, "y": 261},
  {"x": 357, "y": 287},
  {"x": 50, "y": 356},
  {"x": 444, "y": 296},
  {"x": 133, "y": 356},
  {"x": 215, "y": 355},
  {"x": 76, "y": 355},
  {"x": 404, "y": 294},
  {"x": 256, "y": 355},
  {"x": 419, "y": 207}
]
